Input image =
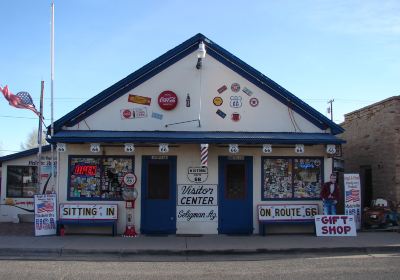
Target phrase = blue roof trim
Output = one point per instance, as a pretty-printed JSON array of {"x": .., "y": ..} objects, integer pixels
[
  {"x": 73, "y": 136},
  {"x": 24, "y": 153},
  {"x": 159, "y": 64}
]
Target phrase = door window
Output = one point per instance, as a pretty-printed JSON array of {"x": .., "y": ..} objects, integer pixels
[
  {"x": 158, "y": 181},
  {"x": 235, "y": 187}
]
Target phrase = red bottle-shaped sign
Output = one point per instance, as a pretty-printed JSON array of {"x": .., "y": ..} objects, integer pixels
[{"x": 167, "y": 100}]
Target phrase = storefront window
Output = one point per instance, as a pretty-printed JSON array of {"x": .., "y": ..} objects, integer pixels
[
  {"x": 98, "y": 178},
  {"x": 291, "y": 178},
  {"x": 22, "y": 181}
]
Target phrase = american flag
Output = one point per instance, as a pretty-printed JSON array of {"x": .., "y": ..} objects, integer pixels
[
  {"x": 352, "y": 196},
  {"x": 21, "y": 100},
  {"x": 45, "y": 207}
]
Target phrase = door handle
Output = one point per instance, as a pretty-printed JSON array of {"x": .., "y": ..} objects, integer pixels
[{"x": 172, "y": 218}]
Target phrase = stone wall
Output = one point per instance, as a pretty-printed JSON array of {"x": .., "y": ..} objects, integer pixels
[{"x": 373, "y": 139}]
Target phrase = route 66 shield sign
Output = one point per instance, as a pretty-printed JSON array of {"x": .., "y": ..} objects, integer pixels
[{"x": 235, "y": 102}]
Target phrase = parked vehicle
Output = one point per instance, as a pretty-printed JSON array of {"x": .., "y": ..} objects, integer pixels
[{"x": 382, "y": 213}]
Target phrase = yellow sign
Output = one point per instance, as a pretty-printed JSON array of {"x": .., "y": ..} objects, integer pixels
[
  {"x": 218, "y": 101},
  {"x": 139, "y": 99}
]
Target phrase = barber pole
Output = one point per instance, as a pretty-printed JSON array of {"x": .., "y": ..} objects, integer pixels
[{"x": 204, "y": 154}]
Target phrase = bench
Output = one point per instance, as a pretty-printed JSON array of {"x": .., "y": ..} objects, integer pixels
[
  {"x": 288, "y": 213},
  {"x": 262, "y": 224},
  {"x": 96, "y": 223}
]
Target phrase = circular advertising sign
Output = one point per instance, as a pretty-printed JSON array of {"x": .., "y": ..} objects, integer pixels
[
  {"x": 167, "y": 100},
  {"x": 130, "y": 179}
]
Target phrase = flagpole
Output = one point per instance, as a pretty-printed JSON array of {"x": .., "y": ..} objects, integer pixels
[
  {"x": 52, "y": 93},
  {"x": 40, "y": 128}
]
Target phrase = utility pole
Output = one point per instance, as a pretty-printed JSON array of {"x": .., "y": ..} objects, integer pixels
[{"x": 330, "y": 108}]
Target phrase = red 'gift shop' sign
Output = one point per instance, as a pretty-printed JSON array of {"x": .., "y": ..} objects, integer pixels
[{"x": 167, "y": 100}]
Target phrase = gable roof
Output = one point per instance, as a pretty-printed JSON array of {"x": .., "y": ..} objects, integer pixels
[{"x": 164, "y": 61}]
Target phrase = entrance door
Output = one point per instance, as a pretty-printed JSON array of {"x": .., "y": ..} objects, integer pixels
[
  {"x": 235, "y": 195},
  {"x": 158, "y": 209}
]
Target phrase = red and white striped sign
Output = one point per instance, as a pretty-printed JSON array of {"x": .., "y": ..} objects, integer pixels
[{"x": 204, "y": 154}]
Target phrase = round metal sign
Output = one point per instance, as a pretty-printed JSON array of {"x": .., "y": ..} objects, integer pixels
[
  {"x": 130, "y": 179},
  {"x": 167, "y": 100}
]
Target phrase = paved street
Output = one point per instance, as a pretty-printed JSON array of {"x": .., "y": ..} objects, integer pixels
[{"x": 377, "y": 266}]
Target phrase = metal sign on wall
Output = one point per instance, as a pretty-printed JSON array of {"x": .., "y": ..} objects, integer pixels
[
  {"x": 197, "y": 174},
  {"x": 87, "y": 211},
  {"x": 287, "y": 212},
  {"x": 197, "y": 203}
]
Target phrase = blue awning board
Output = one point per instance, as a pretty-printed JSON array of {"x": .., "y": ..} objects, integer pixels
[
  {"x": 164, "y": 61},
  {"x": 193, "y": 137},
  {"x": 25, "y": 153}
]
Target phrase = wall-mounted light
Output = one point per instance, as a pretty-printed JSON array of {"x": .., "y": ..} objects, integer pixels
[{"x": 201, "y": 53}]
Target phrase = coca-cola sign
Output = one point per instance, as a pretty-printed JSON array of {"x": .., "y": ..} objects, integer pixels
[{"x": 167, "y": 100}]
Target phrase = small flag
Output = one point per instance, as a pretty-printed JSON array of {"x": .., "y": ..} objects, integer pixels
[
  {"x": 352, "y": 196},
  {"x": 45, "y": 207},
  {"x": 204, "y": 154},
  {"x": 21, "y": 100}
]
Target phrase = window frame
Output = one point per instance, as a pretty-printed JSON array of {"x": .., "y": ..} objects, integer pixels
[
  {"x": 70, "y": 157},
  {"x": 292, "y": 187},
  {"x": 8, "y": 177}
]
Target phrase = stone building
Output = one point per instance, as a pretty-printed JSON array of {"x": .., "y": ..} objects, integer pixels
[{"x": 372, "y": 136}]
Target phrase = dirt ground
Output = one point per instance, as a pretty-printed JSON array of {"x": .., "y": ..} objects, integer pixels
[{"x": 17, "y": 229}]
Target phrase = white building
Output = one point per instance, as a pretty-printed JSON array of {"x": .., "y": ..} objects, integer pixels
[{"x": 265, "y": 146}]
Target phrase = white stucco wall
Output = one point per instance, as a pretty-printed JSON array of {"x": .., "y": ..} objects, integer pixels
[
  {"x": 202, "y": 85},
  {"x": 188, "y": 156}
]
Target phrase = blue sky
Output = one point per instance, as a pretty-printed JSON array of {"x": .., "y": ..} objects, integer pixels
[{"x": 318, "y": 50}]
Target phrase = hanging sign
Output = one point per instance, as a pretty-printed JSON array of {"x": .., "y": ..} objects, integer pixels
[
  {"x": 197, "y": 174},
  {"x": 45, "y": 214},
  {"x": 129, "y": 148},
  {"x": 267, "y": 148},
  {"x": 163, "y": 148},
  {"x": 299, "y": 149},
  {"x": 95, "y": 147},
  {"x": 233, "y": 148},
  {"x": 335, "y": 225},
  {"x": 167, "y": 100},
  {"x": 139, "y": 99},
  {"x": 331, "y": 149},
  {"x": 352, "y": 191},
  {"x": 61, "y": 147}
]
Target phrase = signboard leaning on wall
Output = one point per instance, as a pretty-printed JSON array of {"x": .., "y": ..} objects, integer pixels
[{"x": 45, "y": 214}]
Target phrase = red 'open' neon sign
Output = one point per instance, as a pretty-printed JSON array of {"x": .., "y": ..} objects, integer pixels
[{"x": 85, "y": 170}]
